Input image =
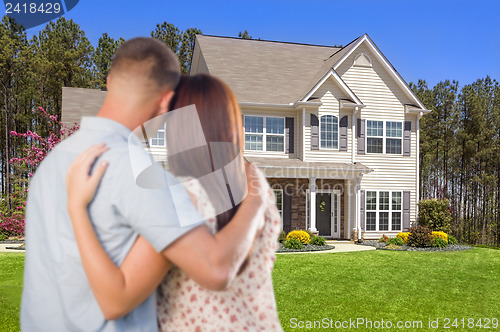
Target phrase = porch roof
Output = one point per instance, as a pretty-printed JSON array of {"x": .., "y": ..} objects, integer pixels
[{"x": 296, "y": 168}]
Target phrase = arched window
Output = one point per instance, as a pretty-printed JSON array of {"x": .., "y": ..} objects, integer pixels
[
  {"x": 362, "y": 60},
  {"x": 329, "y": 132}
]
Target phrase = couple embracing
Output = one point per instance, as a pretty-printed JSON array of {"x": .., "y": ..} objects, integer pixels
[{"x": 106, "y": 254}]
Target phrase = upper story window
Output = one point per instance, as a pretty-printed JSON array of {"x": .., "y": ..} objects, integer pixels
[
  {"x": 264, "y": 133},
  {"x": 387, "y": 141},
  {"x": 159, "y": 138},
  {"x": 329, "y": 132},
  {"x": 394, "y": 137}
]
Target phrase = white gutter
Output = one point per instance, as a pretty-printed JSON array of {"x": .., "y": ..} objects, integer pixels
[{"x": 265, "y": 105}]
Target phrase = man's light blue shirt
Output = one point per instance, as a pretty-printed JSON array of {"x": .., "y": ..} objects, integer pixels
[{"x": 56, "y": 293}]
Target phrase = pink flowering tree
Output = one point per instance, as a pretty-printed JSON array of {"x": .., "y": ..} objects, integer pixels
[{"x": 32, "y": 154}]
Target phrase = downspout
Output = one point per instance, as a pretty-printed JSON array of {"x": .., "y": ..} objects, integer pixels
[
  {"x": 358, "y": 207},
  {"x": 358, "y": 178},
  {"x": 418, "y": 164}
]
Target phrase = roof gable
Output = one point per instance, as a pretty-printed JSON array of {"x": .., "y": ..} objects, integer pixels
[{"x": 366, "y": 40}]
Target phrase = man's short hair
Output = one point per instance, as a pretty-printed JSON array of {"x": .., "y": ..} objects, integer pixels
[{"x": 155, "y": 60}]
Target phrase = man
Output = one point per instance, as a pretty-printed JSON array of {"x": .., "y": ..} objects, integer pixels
[{"x": 56, "y": 294}]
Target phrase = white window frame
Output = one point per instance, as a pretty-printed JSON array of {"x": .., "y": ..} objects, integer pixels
[
  {"x": 264, "y": 133},
  {"x": 160, "y": 131},
  {"x": 384, "y": 137},
  {"x": 320, "y": 131},
  {"x": 389, "y": 211},
  {"x": 276, "y": 202}
]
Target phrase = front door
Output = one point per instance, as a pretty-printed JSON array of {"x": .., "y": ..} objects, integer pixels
[
  {"x": 328, "y": 213},
  {"x": 324, "y": 213}
]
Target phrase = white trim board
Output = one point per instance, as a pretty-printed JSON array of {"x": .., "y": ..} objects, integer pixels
[{"x": 340, "y": 82}]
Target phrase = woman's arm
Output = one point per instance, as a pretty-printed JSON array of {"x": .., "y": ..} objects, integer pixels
[{"x": 117, "y": 290}]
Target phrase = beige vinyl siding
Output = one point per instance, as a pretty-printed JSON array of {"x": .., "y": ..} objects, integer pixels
[
  {"x": 296, "y": 136},
  {"x": 384, "y": 101},
  {"x": 329, "y": 94},
  {"x": 158, "y": 153}
]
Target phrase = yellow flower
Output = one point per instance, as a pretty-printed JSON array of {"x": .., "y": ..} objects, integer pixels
[
  {"x": 440, "y": 235},
  {"x": 299, "y": 235},
  {"x": 403, "y": 236}
]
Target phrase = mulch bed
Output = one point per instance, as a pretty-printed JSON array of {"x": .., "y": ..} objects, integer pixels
[{"x": 306, "y": 248}]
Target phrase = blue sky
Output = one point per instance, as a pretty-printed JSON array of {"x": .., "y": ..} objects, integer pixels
[{"x": 433, "y": 40}]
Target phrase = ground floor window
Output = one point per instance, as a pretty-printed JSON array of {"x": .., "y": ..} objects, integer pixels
[
  {"x": 278, "y": 194},
  {"x": 383, "y": 210}
]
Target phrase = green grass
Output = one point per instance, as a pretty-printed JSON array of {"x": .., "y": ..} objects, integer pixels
[
  {"x": 11, "y": 284},
  {"x": 388, "y": 285},
  {"x": 374, "y": 285}
]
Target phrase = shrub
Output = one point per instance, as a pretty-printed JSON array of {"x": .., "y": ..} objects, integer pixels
[
  {"x": 452, "y": 239},
  {"x": 419, "y": 237},
  {"x": 282, "y": 237},
  {"x": 318, "y": 241},
  {"x": 293, "y": 244},
  {"x": 384, "y": 238},
  {"x": 300, "y": 236},
  {"x": 3, "y": 236},
  {"x": 439, "y": 243},
  {"x": 434, "y": 214},
  {"x": 403, "y": 236},
  {"x": 440, "y": 235},
  {"x": 12, "y": 226},
  {"x": 395, "y": 241}
]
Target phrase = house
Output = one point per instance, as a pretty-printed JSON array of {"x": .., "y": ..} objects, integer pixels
[{"x": 335, "y": 130}]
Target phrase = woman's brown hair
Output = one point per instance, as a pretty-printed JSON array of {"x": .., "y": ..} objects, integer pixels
[{"x": 221, "y": 121}]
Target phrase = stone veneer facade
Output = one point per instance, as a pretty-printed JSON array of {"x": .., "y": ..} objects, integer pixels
[{"x": 297, "y": 188}]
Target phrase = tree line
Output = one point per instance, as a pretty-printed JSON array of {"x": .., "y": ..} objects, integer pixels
[
  {"x": 460, "y": 155},
  {"x": 32, "y": 74},
  {"x": 459, "y": 139}
]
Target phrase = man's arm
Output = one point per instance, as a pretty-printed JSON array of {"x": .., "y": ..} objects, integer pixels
[{"x": 214, "y": 260}]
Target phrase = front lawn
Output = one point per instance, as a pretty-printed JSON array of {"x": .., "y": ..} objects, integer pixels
[
  {"x": 371, "y": 285},
  {"x": 388, "y": 285},
  {"x": 11, "y": 281}
]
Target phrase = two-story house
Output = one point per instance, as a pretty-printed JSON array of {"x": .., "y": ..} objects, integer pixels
[{"x": 335, "y": 130}]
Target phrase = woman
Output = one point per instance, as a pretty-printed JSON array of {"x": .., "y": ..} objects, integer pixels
[{"x": 248, "y": 303}]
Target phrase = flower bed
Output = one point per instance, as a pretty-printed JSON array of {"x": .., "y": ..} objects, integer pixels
[
  {"x": 382, "y": 246},
  {"x": 309, "y": 247}
]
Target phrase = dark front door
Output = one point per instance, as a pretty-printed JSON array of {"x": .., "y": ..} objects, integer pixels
[{"x": 324, "y": 213}]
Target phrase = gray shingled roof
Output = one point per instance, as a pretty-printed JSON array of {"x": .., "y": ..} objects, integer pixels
[
  {"x": 328, "y": 64},
  {"x": 266, "y": 71}
]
